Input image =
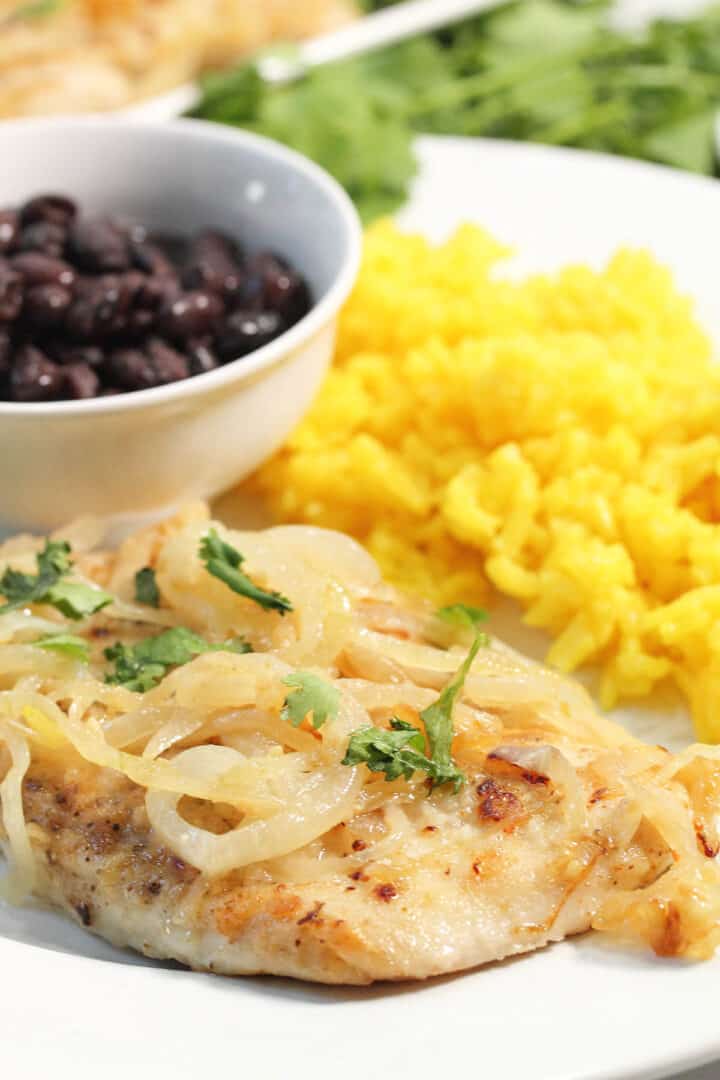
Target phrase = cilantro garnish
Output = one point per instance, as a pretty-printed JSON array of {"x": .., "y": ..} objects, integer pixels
[
  {"x": 310, "y": 694},
  {"x": 34, "y": 10},
  {"x": 146, "y": 590},
  {"x": 402, "y": 750},
  {"x": 464, "y": 615},
  {"x": 70, "y": 644},
  {"x": 224, "y": 561},
  {"x": 142, "y": 666},
  {"x": 47, "y": 587},
  {"x": 549, "y": 71}
]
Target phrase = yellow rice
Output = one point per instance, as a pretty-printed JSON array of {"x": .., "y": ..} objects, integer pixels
[{"x": 558, "y": 438}]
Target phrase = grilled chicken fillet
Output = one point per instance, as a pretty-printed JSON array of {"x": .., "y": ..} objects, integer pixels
[
  {"x": 500, "y": 871},
  {"x": 559, "y": 821}
]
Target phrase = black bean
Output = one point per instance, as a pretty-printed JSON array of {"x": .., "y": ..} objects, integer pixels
[
  {"x": 80, "y": 320},
  {"x": 251, "y": 293},
  {"x": 5, "y": 352},
  {"x": 139, "y": 323},
  {"x": 151, "y": 259},
  {"x": 169, "y": 365},
  {"x": 98, "y": 246},
  {"x": 130, "y": 369},
  {"x": 288, "y": 294},
  {"x": 192, "y": 314},
  {"x": 33, "y": 377},
  {"x": 9, "y": 230},
  {"x": 39, "y": 269},
  {"x": 283, "y": 290},
  {"x": 173, "y": 245},
  {"x": 158, "y": 292},
  {"x": 63, "y": 352},
  {"x": 133, "y": 230},
  {"x": 43, "y": 236},
  {"x": 102, "y": 305},
  {"x": 109, "y": 391},
  {"x": 202, "y": 356},
  {"x": 45, "y": 306},
  {"x": 212, "y": 263},
  {"x": 244, "y": 331},
  {"x": 80, "y": 381},
  {"x": 11, "y": 292},
  {"x": 56, "y": 209}
]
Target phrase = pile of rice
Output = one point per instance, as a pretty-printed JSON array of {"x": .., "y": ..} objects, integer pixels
[{"x": 557, "y": 438}]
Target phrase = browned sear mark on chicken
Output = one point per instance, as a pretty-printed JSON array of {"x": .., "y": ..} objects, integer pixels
[
  {"x": 597, "y": 795},
  {"x": 670, "y": 939},
  {"x": 497, "y": 803},
  {"x": 708, "y": 849},
  {"x": 312, "y": 916}
]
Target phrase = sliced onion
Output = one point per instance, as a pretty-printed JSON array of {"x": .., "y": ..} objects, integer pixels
[
  {"x": 332, "y": 554},
  {"x": 182, "y": 725},
  {"x": 244, "y": 789},
  {"x": 23, "y": 622},
  {"x": 18, "y": 848},
  {"x": 249, "y": 721},
  {"x": 319, "y": 802}
]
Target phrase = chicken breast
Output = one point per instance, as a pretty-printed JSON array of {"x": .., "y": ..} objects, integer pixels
[
  {"x": 417, "y": 809},
  {"x": 501, "y": 870}
]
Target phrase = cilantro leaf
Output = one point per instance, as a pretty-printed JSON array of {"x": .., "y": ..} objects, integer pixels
[
  {"x": 20, "y": 589},
  {"x": 46, "y": 587},
  {"x": 70, "y": 644},
  {"x": 76, "y": 600},
  {"x": 402, "y": 752},
  {"x": 310, "y": 694},
  {"x": 146, "y": 590},
  {"x": 34, "y": 10},
  {"x": 142, "y": 666},
  {"x": 463, "y": 615},
  {"x": 437, "y": 718},
  {"x": 224, "y": 562},
  {"x": 398, "y": 752}
]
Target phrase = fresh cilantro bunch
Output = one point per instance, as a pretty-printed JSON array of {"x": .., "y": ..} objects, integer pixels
[
  {"x": 550, "y": 71},
  {"x": 47, "y": 586},
  {"x": 142, "y": 666}
]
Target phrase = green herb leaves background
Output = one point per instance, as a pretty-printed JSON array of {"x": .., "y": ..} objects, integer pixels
[{"x": 547, "y": 71}]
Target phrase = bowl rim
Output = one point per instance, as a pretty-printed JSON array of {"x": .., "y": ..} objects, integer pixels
[{"x": 244, "y": 368}]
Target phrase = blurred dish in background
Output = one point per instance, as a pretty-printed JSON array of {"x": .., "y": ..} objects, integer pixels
[{"x": 59, "y": 56}]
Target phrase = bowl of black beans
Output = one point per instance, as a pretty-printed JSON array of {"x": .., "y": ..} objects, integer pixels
[
  {"x": 168, "y": 300},
  {"x": 93, "y": 305}
]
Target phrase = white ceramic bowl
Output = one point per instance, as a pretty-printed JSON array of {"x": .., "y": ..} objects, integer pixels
[{"x": 135, "y": 456}]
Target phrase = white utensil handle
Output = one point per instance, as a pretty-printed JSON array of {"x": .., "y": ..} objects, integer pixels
[{"x": 374, "y": 31}]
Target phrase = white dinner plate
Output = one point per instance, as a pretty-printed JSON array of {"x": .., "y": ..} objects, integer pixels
[{"x": 73, "y": 1008}]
